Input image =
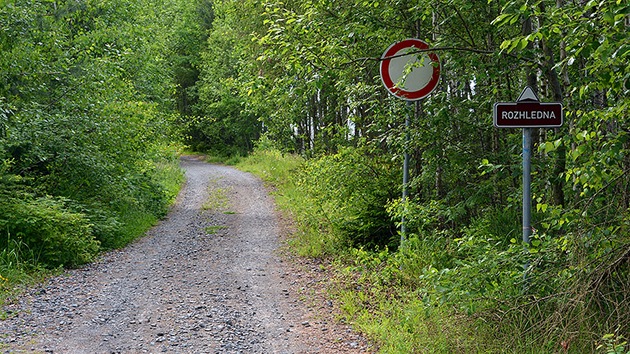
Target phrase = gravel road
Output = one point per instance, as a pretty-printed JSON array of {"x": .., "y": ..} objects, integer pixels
[{"x": 207, "y": 279}]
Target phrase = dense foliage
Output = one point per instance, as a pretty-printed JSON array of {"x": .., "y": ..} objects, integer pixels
[
  {"x": 85, "y": 108},
  {"x": 213, "y": 101},
  {"x": 88, "y": 91},
  {"x": 308, "y": 70}
]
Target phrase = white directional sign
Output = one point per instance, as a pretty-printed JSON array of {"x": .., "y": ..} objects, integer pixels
[{"x": 408, "y": 73}]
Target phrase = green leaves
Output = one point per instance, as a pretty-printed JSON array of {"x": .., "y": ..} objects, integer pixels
[
  {"x": 351, "y": 194},
  {"x": 506, "y": 19},
  {"x": 85, "y": 114},
  {"x": 54, "y": 235}
]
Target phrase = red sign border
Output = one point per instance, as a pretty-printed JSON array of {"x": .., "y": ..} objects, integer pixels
[{"x": 390, "y": 85}]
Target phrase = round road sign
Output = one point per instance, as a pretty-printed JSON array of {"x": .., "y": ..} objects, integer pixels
[{"x": 408, "y": 74}]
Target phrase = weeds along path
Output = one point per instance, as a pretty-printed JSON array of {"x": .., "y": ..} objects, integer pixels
[{"x": 207, "y": 279}]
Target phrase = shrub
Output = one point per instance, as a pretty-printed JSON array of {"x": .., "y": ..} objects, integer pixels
[
  {"x": 54, "y": 235},
  {"x": 351, "y": 190}
]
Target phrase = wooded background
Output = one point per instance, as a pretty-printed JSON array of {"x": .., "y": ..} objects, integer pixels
[{"x": 95, "y": 95}]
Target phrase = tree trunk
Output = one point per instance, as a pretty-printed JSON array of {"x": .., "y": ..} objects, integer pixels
[{"x": 560, "y": 160}]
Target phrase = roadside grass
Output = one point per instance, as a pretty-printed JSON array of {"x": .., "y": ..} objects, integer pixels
[
  {"x": 280, "y": 171},
  {"x": 19, "y": 267},
  {"x": 367, "y": 286},
  {"x": 18, "y": 270},
  {"x": 404, "y": 324},
  {"x": 211, "y": 230},
  {"x": 171, "y": 177},
  {"x": 134, "y": 223},
  {"x": 273, "y": 167}
]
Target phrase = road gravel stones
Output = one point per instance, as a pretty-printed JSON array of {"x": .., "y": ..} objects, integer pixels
[{"x": 204, "y": 280}]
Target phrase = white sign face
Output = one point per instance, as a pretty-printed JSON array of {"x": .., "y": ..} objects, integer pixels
[
  {"x": 408, "y": 73},
  {"x": 418, "y": 70}
]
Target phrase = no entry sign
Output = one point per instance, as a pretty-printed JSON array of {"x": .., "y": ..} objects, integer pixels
[
  {"x": 527, "y": 112},
  {"x": 408, "y": 73}
]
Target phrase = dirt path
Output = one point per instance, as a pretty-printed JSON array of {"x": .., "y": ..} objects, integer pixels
[{"x": 208, "y": 279}]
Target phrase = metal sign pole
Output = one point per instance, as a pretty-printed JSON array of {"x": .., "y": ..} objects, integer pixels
[
  {"x": 527, "y": 184},
  {"x": 527, "y": 199},
  {"x": 405, "y": 192}
]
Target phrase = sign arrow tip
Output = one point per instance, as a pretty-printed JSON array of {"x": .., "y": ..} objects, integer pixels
[{"x": 528, "y": 95}]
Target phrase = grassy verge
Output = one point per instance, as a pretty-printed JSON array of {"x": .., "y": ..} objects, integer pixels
[
  {"x": 20, "y": 266},
  {"x": 16, "y": 272},
  {"x": 281, "y": 171},
  {"x": 381, "y": 293},
  {"x": 396, "y": 319}
]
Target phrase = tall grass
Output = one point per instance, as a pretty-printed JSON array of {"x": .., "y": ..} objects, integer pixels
[{"x": 18, "y": 267}]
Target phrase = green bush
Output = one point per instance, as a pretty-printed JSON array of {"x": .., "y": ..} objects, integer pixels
[
  {"x": 54, "y": 235},
  {"x": 350, "y": 190}
]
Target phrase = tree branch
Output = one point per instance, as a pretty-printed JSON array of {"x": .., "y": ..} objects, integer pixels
[{"x": 436, "y": 49}]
